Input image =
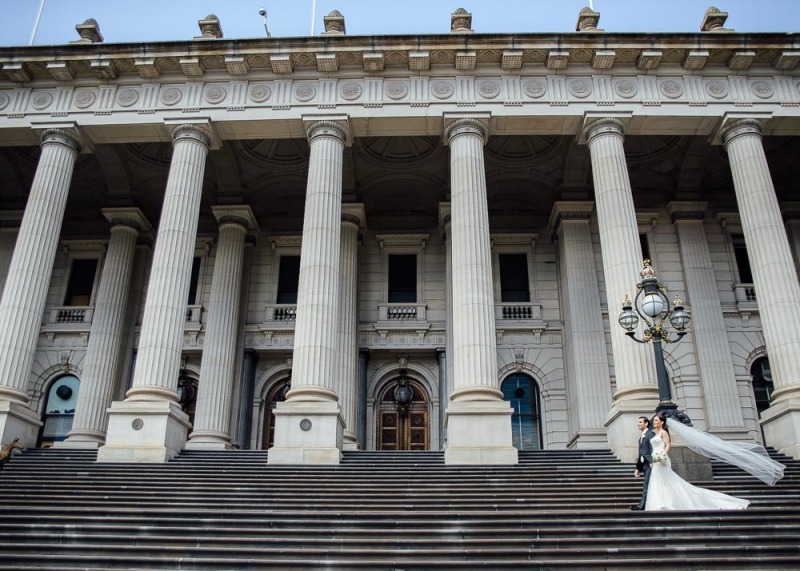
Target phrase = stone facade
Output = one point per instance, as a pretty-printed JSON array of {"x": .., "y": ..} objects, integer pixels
[{"x": 197, "y": 173}]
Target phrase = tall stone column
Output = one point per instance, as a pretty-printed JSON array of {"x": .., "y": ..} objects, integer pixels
[
  {"x": 149, "y": 425},
  {"x": 104, "y": 352},
  {"x": 478, "y": 419},
  {"x": 585, "y": 349},
  {"x": 708, "y": 331},
  {"x": 361, "y": 409},
  {"x": 28, "y": 278},
  {"x": 246, "y": 399},
  {"x": 309, "y": 424},
  {"x": 774, "y": 276},
  {"x": 353, "y": 218},
  {"x": 634, "y": 365},
  {"x": 212, "y": 415},
  {"x": 447, "y": 237}
]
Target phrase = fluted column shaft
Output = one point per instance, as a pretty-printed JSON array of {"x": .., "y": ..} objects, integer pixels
[
  {"x": 634, "y": 366},
  {"x": 708, "y": 329},
  {"x": 213, "y": 409},
  {"x": 474, "y": 339},
  {"x": 315, "y": 334},
  {"x": 584, "y": 333},
  {"x": 159, "y": 351},
  {"x": 774, "y": 274},
  {"x": 347, "y": 379},
  {"x": 104, "y": 350},
  {"x": 31, "y": 266}
]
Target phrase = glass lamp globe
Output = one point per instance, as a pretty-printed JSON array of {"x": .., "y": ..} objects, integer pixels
[
  {"x": 628, "y": 319},
  {"x": 652, "y": 305},
  {"x": 680, "y": 319}
]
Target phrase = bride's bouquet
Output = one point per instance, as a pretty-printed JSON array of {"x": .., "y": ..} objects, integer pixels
[{"x": 660, "y": 457}]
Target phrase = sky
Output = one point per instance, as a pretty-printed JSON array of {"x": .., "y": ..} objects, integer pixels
[{"x": 165, "y": 20}]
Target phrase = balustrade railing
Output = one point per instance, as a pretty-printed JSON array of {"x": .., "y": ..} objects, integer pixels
[
  {"x": 281, "y": 312},
  {"x": 72, "y": 314},
  {"x": 403, "y": 312},
  {"x": 518, "y": 311}
]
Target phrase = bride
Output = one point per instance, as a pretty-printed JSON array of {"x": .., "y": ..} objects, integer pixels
[{"x": 668, "y": 491}]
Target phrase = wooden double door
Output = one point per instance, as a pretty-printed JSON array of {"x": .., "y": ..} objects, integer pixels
[{"x": 403, "y": 427}]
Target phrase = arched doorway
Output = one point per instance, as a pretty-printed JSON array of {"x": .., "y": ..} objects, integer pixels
[
  {"x": 761, "y": 376},
  {"x": 403, "y": 415},
  {"x": 276, "y": 394},
  {"x": 59, "y": 410},
  {"x": 523, "y": 394}
]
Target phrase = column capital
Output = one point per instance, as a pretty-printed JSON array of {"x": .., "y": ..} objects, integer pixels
[
  {"x": 336, "y": 126},
  {"x": 68, "y": 136},
  {"x": 687, "y": 210},
  {"x": 595, "y": 125},
  {"x": 476, "y": 124},
  {"x": 194, "y": 131},
  {"x": 739, "y": 127},
  {"x": 130, "y": 217},
  {"x": 236, "y": 214},
  {"x": 570, "y": 210},
  {"x": 353, "y": 213}
]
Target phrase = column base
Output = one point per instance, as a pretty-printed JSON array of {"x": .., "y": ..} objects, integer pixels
[
  {"x": 83, "y": 440},
  {"x": 623, "y": 436},
  {"x": 17, "y": 420},
  {"x": 307, "y": 432},
  {"x": 690, "y": 465},
  {"x": 589, "y": 440},
  {"x": 350, "y": 442},
  {"x": 208, "y": 441},
  {"x": 479, "y": 433},
  {"x": 144, "y": 431},
  {"x": 781, "y": 424}
]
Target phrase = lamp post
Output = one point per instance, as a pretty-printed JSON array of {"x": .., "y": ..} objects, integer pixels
[{"x": 652, "y": 306}]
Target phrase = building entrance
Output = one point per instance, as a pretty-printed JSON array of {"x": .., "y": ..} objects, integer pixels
[{"x": 403, "y": 416}]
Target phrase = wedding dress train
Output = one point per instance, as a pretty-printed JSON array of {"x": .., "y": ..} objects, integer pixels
[{"x": 668, "y": 491}]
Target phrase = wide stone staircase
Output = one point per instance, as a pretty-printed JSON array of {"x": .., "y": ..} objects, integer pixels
[{"x": 59, "y": 509}]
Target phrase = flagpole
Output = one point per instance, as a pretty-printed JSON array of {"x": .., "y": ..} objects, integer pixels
[
  {"x": 313, "y": 14},
  {"x": 36, "y": 23}
]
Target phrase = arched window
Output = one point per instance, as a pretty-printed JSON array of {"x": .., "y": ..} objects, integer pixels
[
  {"x": 523, "y": 394},
  {"x": 762, "y": 383},
  {"x": 59, "y": 410}
]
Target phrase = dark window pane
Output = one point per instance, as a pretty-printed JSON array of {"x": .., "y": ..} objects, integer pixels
[
  {"x": 288, "y": 279},
  {"x": 645, "y": 247},
  {"x": 514, "y": 278},
  {"x": 403, "y": 278},
  {"x": 742, "y": 261},
  {"x": 193, "y": 282},
  {"x": 81, "y": 280}
]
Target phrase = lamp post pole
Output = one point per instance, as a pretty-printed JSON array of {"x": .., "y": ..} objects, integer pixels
[{"x": 652, "y": 306}]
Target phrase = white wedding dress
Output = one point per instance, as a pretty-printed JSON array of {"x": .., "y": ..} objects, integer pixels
[{"x": 668, "y": 491}]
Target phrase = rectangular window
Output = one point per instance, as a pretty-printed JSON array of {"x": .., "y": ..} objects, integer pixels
[
  {"x": 403, "y": 278},
  {"x": 288, "y": 279},
  {"x": 645, "y": 247},
  {"x": 514, "y": 287},
  {"x": 81, "y": 282},
  {"x": 742, "y": 261},
  {"x": 194, "y": 280}
]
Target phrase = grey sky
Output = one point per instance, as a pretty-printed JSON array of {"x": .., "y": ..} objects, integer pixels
[{"x": 156, "y": 20}]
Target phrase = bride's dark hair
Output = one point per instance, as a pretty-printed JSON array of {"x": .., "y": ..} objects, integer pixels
[{"x": 663, "y": 419}]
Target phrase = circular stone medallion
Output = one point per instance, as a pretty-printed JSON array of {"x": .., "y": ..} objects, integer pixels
[
  {"x": 625, "y": 88},
  {"x": 137, "y": 423},
  {"x": 534, "y": 88},
  {"x": 305, "y": 425},
  {"x": 305, "y": 92},
  {"x": 84, "y": 98},
  {"x": 260, "y": 93},
  {"x": 717, "y": 89},
  {"x": 4, "y": 100},
  {"x": 396, "y": 90},
  {"x": 350, "y": 91},
  {"x": 128, "y": 97},
  {"x": 41, "y": 100},
  {"x": 671, "y": 89},
  {"x": 580, "y": 88},
  {"x": 762, "y": 89},
  {"x": 441, "y": 89},
  {"x": 215, "y": 94},
  {"x": 171, "y": 96},
  {"x": 489, "y": 89}
]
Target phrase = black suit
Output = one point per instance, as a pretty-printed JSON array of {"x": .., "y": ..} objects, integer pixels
[{"x": 644, "y": 461}]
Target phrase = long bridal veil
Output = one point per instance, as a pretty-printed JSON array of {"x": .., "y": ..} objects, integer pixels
[{"x": 748, "y": 456}]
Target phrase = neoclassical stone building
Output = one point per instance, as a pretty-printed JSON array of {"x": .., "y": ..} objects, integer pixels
[{"x": 333, "y": 243}]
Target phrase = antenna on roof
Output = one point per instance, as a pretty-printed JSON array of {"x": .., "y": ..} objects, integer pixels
[
  {"x": 263, "y": 13},
  {"x": 36, "y": 23},
  {"x": 313, "y": 14}
]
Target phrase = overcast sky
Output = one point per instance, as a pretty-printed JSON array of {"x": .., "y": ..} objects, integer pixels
[{"x": 155, "y": 20}]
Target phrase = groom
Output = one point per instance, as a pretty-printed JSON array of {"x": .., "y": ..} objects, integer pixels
[{"x": 645, "y": 460}]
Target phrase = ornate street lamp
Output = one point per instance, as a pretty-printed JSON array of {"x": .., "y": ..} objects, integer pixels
[{"x": 652, "y": 306}]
